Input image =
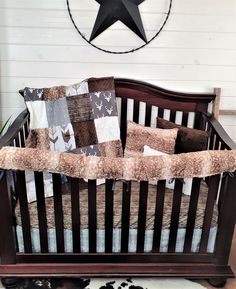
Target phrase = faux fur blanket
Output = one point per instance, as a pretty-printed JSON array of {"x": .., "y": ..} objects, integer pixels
[{"x": 188, "y": 165}]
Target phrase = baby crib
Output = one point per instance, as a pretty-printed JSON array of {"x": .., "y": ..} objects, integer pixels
[{"x": 196, "y": 249}]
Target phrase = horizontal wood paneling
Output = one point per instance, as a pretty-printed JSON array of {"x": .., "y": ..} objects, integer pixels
[
  {"x": 166, "y": 56},
  {"x": 172, "y": 72},
  {"x": 209, "y": 7},
  {"x": 62, "y": 36},
  {"x": 86, "y": 18},
  {"x": 195, "y": 52}
]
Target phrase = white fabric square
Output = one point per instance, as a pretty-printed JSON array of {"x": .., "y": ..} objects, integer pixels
[
  {"x": 38, "y": 114},
  {"x": 187, "y": 186},
  {"x": 107, "y": 128}
]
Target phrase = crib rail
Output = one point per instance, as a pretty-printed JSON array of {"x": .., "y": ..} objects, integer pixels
[
  {"x": 17, "y": 132},
  {"x": 219, "y": 139}
]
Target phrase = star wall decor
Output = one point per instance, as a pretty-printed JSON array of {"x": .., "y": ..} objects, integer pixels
[{"x": 126, "y": 11}]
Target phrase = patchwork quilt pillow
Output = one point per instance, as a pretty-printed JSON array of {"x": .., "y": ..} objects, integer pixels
[
  {"x": 170, "y": 183},
  {"x": 188, "y": 139},
  {"x": 138, "y": 136},
  {"x": 82, "y": 118}
]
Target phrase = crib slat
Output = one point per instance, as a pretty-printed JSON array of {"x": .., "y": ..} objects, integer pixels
[
  {"x": 197, "y": 120},
  {"x": 172, "y": 115},
  {"x": 123, "y": 122},
  {"x": 17, "y": 141},
  {"x": 58, "y": 212},
  {"x": 160, "y": 112},
  {"x": 109, "y": 213},
  {"x": 203, "y": 123},
  {"x": 22, "y": 139},
  {"x": 75, "y": 214},
  {"x": 217, "y": 143},
  {"x": 213, "y": 188},
  {"x": 7, "y": 243},
  {"x": 158, "y": 216},
  {"x": 192, "y": 214},
  {"x": 24, "y": 210},
  {"x": 92, "y": 215},
  {"x": 42, "y": 219},
  {"x": 148, "y": 114},
  {"x": 136, "y": 111},
  {"x": 222, "y": 191},
  {"x": 185, "y": 119},
  {"x": 212, "y": 139},
  {"x": 26, "y": 129},
  {"x": 175, "y": 215},
  {"x": 126, "y": 194},
  {"x": 143, "y": 195}
]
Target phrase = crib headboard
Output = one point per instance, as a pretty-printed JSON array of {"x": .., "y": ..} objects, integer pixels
[
  {"x": 161, "y": 102},
  {"x": 163, "y": 98}
]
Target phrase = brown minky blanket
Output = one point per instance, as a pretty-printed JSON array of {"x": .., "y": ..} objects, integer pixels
[
  {"x": 188, "y": 165},
  {"x": 66, "y": 200}
]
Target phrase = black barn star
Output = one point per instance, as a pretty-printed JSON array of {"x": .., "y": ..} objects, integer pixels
[{"x": 126, "y": 11}]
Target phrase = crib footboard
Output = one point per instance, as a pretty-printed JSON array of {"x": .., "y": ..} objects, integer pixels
[{"x": 140, "y": 245}]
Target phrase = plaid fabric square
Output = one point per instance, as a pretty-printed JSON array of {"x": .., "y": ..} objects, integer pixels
[{"x": 81, "y": 118}]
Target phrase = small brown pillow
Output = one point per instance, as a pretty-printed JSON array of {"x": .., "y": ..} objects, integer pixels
[
  {"x": 188, "y": 139},
  {"x": 138, "y": 136}
]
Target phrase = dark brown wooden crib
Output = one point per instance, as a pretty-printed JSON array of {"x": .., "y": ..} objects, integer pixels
[{"x": 208, "y": 259}]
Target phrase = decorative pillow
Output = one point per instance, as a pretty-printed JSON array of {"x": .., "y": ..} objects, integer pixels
[
  {"x": 170, "y": 183},
  {"x": 188, "y": 139},
  {"x": 81, "y": 118},
  {"x": 138, "y": 136}
]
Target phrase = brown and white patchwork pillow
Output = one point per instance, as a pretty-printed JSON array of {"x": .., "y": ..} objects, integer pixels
[
  {"x": 138, "y": 136},
  {"x": 188, "y": 139},
  {"x": 81, "y": 118}
]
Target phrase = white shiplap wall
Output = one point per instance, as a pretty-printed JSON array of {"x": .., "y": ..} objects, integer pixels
[{"x": 196, "y": 51}]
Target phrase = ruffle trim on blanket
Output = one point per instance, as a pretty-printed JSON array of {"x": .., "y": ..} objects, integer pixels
[{"x": 188, "y": 165}]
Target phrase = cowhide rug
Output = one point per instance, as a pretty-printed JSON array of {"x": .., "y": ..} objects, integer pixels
[{"x": 108, "y": 283}]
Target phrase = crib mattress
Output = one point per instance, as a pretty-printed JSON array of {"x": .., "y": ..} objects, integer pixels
[
  {"x": 116, "y": 247},
  {"x": 135, "y": 186}
]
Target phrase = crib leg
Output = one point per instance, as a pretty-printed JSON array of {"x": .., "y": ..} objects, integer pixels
[
  {"x": 217, "y": 282},
  {"x": 10, "y": 283}
]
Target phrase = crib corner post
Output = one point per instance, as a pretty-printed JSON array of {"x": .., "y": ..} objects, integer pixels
[
  {"x": 217, "y": 282},
  {"x": 10, "y": 283},
  {"x": 226, "y": 221},
  {"x": 7, "y": 244}
]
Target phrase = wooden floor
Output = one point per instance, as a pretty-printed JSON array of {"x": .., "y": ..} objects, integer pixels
[{"x": 231, "y": 283}]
